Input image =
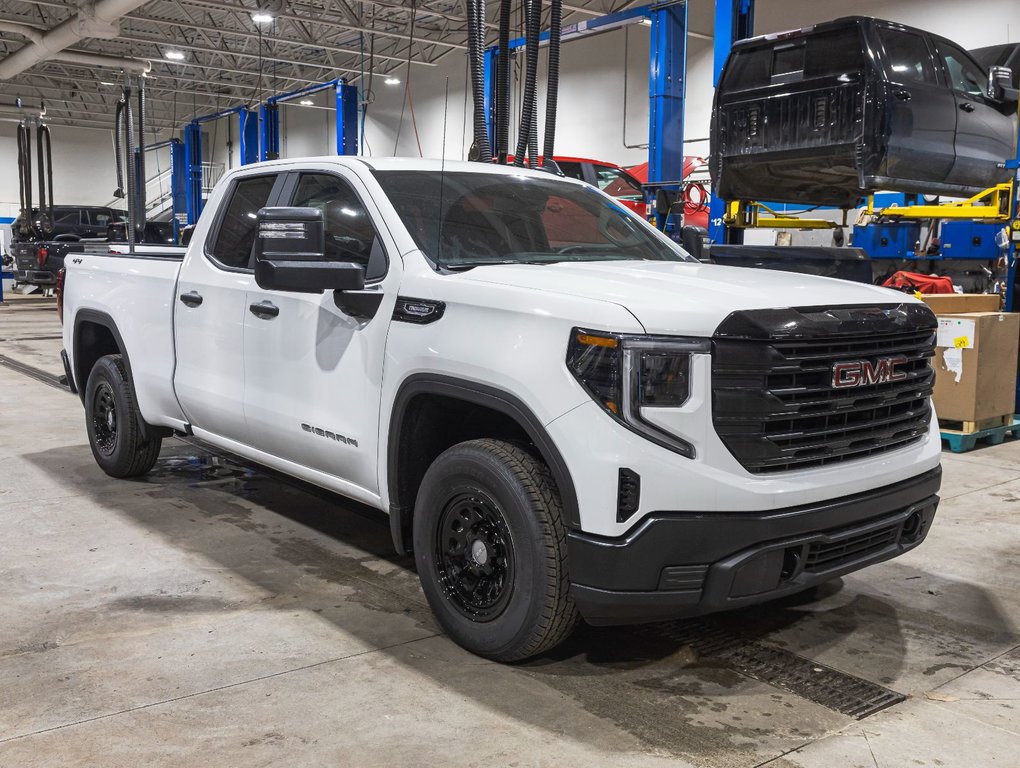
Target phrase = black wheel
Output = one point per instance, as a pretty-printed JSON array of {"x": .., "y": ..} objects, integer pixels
[
  {"x": 114, "y": 423},
  {"x": 490, "y": 547}
]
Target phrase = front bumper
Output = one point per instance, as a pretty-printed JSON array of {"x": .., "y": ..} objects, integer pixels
[{"x": 677, "y": 564}]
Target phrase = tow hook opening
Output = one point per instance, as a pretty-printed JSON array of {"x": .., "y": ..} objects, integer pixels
[
  {"x": 912, "y": 527},
  {"x": 792, "y": 559}
]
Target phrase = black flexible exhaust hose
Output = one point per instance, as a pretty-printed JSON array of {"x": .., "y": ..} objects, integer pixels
[
  {"x": 140, "y": 160},
  {"x": 533, "y": 14},
  {"x": 129, "y": 148},
  {"x": 481, "y": 150},
  {"x": 49, "y": 171},
  {"x": 118, "y": 148},
  {"x": 24, "y": 180},
  {"x": 503, "y": 84},
  {"x": 552, "y": 92},
  {"x": 45, "y": 165}
]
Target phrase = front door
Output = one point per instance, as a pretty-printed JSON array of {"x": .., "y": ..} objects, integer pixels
[
  {"x": 984, "y": 134},
  {"x": 313, "y": 372},
  {"x": 922, "y": 110},
  {"x": 210, "y": 309}
]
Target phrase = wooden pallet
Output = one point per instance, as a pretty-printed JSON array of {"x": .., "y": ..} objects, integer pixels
[{"x": 991, "y": 431}]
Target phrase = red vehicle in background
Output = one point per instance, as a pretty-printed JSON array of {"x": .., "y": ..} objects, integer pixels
[
  {"x": 695, "y": 190},
  {"x": 611, "y": 179}
]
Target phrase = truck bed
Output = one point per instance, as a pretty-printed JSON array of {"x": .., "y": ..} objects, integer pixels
[{"x": 102, "y": 286}]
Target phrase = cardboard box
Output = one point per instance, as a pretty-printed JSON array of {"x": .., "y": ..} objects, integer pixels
[
  {"x": 975, "y": 365},
  {"x": 953, "y": 303}
]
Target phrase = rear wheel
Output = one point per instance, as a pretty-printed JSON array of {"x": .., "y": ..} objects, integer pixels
[
  {"x": 490, "y": 547},
  {"x": 114, "y": 423}
]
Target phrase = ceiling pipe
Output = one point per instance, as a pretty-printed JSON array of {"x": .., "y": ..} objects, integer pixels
[
  {"x": 130, "y": 66},
  {"x": 93, "y": 20}
]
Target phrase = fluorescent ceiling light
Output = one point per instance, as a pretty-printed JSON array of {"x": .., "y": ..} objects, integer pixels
[
  {"x": 392, "y": 81},
  {"x": 261, "y": 17},
  {"x": 305, "y": 102},
  {"x": 103, "y": 82},
  {"x": 647, "y": 21},
  {"x": 174, "y": 55}
]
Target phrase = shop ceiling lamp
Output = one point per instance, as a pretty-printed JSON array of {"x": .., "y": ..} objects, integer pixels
[
  {"x": 392, "y": 81},
  {"x": 261, "y": 17},
  {"x": 174, "y": 55}
]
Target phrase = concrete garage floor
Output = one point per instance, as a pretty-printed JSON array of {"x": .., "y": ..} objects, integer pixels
[{"x": 215, "y": 614}]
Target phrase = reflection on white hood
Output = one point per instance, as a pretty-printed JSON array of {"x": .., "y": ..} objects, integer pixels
[{"x": 685, "y": 299}]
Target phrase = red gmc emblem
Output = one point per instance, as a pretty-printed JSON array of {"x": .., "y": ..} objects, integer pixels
[{"x": 859, "y": 373}]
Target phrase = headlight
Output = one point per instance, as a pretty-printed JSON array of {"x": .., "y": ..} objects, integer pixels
[{"x": 625, "y": 373}]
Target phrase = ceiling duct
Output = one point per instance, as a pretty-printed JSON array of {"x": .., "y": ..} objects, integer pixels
[{"x": 100, "y": 19}]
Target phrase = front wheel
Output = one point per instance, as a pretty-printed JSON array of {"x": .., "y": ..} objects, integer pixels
[
  {"x": 114, "y": 422},
  {"x": 490, "y": 546}
]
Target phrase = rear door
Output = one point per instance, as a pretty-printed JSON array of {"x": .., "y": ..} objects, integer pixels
[
  {"x": 210, "y": 310},
  {"x": 313, "y": 372},
  {"x": 984, "y": 135},
  {"x": 922, "y": 110}
]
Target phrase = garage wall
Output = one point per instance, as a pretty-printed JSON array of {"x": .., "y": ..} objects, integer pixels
[{"x": 83, "y": 168}]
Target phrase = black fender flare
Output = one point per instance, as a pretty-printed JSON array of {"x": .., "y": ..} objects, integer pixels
[
  {"x": 478, "y": 394},
  {"x": 106, "y": 321}
]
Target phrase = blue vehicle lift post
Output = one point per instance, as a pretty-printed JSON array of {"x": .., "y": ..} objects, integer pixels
[
  {"x": 734, "y": 20},
  {"x": 666, "y": 81},
  {"x": 248, "y": 124},
  {"x": 346, "y": 104}
]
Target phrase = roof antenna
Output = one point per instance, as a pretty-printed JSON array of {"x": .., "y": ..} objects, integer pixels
[{"x": 442, "y": 177}]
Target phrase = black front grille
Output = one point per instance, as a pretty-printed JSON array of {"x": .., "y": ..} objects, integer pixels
[
  {"x": 774, "y": 405},
  {"x": 828, "y": 555}
]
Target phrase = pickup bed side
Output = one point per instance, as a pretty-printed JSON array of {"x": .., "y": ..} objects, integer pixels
[{"x": 104, "y": 292}]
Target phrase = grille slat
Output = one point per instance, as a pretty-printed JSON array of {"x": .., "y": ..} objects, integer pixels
[
  {"x": 823, "y": 556},
  {"x": 774, "y": 405}
]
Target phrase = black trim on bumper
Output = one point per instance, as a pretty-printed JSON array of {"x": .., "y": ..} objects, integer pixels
[{"x": 691, "y": 563}]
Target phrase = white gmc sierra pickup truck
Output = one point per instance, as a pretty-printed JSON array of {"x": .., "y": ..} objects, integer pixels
[{"x": 564, "y": 414}]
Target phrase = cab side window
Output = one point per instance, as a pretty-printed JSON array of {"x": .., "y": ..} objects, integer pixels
[
  {"x": 964, "y": 75},
  {"x": 908, "y": 57},
  {"x": 235, "y": 237},
  {"x": 350, "y": 234}
]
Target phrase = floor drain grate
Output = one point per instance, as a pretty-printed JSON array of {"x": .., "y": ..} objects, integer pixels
[{"x": 839, "y": 691}]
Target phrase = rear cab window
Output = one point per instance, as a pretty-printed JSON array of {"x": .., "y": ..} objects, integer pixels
[
  {"x": 827, "y": 53},
  {"x": 907, "y": 57},
  {"x": 235, "y": 234}
]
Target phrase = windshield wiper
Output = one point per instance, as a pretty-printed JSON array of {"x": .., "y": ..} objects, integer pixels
[{"x": 459, "y": 266}]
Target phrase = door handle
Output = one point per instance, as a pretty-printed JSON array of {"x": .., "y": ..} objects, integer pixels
[
  {"x": 967, "y": 106},
  {"x": 191, "y": 299},
  {"x": 266, "y": 310},
  {"x": 902, "y": 94}
]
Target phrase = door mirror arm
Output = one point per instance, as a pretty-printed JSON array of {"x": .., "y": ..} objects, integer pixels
[{"x": 1000, "y": 84}]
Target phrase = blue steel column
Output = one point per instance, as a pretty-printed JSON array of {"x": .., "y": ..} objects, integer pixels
[
  {"x": 734, "y": 20},
  {"x": 178, "y": 187},
  {"x": 490, "y": 71},
  {"x": 193, "y": 166},
  {"x": 249, "y": 136},
  {"x": 346, "y": 119},
  {"x": 269, "y": 138},
  {"x": 667, "y": 76}
]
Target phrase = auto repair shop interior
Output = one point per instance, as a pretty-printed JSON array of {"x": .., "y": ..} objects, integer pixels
[{"x": 509, "y": 383}]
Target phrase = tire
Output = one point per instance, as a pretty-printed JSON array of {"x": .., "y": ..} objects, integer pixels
[
  {"x": 114, "y": 423},
  {"x": 490, "y": 547}
]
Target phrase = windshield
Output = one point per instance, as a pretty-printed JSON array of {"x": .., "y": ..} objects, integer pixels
[{"x": 474, "y": 219}]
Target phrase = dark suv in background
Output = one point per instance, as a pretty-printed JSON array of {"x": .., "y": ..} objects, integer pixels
[
  {"x": 40, "y": 245},
  {"x": 830, "y": 113}
]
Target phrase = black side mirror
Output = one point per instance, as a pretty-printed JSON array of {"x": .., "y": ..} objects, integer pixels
[
  {"x": 1000, "y": 84},
  {"x": 290, "y": 254},
  {"x": 695, "y": 241}
]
